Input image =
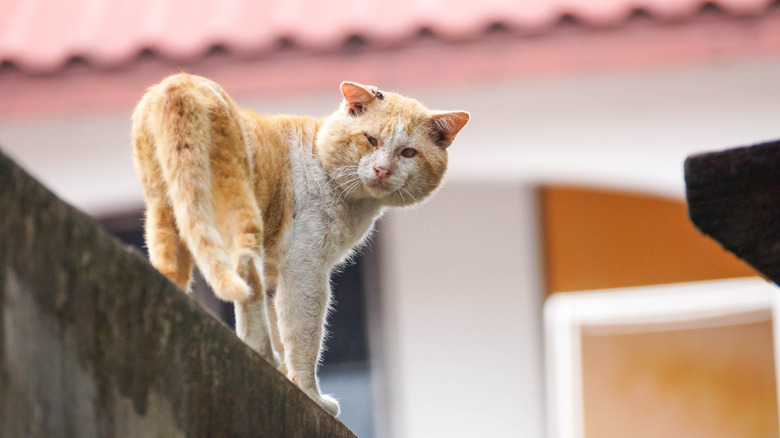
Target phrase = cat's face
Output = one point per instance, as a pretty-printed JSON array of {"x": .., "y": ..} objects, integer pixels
[{"x": 386, "y": 146}]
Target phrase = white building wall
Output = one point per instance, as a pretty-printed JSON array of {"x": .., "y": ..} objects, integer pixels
[{"x": 462, "y": 305}]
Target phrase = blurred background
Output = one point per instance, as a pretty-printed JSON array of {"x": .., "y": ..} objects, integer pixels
[{"x": 567, "y": 178}]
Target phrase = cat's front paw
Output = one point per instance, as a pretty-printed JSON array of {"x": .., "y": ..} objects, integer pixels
[
  {"x": 330, "y": 404},
  {"x": 327, "y": 402}
]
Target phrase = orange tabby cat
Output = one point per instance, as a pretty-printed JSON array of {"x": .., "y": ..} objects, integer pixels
[{"x": 268, "y": 205}]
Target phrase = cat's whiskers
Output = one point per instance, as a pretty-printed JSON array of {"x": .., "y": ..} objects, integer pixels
[
  {"x": 348, "y": 172},
  {"x": 346, "y": 175},
  {"x": 408, "y": 191},
  {"x": 357, "y": 182},
  {"x": 400, "y": 193},
  {"x": 350, "y": 181}
]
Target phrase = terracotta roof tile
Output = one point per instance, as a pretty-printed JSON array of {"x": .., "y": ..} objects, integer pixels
[{"x": 43, "y": 35}]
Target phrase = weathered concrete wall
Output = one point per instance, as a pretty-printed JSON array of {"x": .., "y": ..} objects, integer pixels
[{"x": 95, "y": 342}]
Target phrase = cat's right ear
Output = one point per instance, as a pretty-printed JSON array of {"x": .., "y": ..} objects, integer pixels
[{"x": 357, "y": 97}]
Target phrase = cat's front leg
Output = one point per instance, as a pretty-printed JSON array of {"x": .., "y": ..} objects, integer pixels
[{"x": 302, "y": 302}]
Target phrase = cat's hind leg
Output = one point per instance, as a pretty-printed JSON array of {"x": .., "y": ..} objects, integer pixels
[
  {"x": 252, "y": 328},
  {"x": 241, "y": 224},
  {"x": 203, "y": 158},
  {"x": 273, "y": 322},
  {"x": 180, "y": 115},
  {"x": 167, "y": 252}
]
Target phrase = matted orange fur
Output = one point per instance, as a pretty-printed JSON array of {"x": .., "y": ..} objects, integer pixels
[{"x": 274, "y": 203}]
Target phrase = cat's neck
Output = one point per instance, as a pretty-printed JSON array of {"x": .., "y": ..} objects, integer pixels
[
  {"x": 366, "y": 207},
  {"x": 362, "y": 212}
]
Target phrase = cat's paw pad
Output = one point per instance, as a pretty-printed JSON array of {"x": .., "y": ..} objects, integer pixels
[{"x": 330, "y": 404}]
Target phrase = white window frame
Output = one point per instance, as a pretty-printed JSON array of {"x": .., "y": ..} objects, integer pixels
[{"x": 673, "y": 306}]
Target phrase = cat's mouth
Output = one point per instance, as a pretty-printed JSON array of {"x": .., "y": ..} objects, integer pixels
[{"x": 379, "y": 187}]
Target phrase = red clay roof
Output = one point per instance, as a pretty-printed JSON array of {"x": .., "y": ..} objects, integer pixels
[{"x": 44, "y": 35}]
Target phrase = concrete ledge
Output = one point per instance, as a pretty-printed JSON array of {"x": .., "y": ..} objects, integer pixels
[{"x": 95, "y": 342}]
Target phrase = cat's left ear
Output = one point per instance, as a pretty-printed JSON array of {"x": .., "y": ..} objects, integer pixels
[
  {"x": 358, "y": 96},
  {"x": 447, "y": 125}
]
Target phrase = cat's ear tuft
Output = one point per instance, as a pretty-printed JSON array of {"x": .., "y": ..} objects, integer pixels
[
  {"x": 446, "y": 126},
  {"x": 357, "y": 97}
]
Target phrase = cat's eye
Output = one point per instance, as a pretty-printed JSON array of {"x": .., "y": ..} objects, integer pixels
[
  {"x": 372, "y": 140},
  {"x": 408, "y": 153}
]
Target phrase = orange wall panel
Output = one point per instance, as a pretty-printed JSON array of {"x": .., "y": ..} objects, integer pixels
[
  {"x": 595, "y": 239},
  {"x": 712, "y": 382}
]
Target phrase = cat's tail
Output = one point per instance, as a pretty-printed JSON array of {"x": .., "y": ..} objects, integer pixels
[{"x": 183, "y": 131}]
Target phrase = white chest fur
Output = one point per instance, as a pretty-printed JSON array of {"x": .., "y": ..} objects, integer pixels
[{"x": 325, "y": 227}]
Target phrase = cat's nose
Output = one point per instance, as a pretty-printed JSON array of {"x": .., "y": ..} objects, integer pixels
[{"x": 381, "y": 171}]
